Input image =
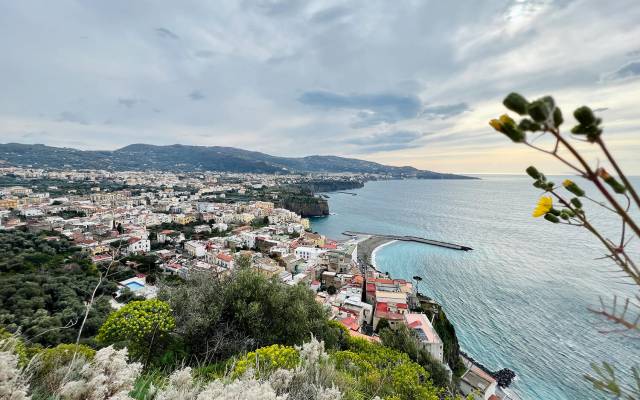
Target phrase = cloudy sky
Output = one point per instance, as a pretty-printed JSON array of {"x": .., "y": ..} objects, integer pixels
[{"x": 398, "y": 82}]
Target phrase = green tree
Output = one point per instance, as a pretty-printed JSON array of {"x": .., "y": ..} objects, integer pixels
[{"x": 219, "y": 316}]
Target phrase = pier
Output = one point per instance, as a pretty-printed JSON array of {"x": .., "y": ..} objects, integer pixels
[{"x": 415, "y": 239}]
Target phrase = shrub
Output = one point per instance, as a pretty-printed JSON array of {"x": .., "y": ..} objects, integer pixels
[
  {"x": 142, "y": 326},
  {"x": 267, "y": 359}
]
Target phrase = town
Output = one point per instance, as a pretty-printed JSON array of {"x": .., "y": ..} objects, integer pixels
[{"x": 161, "y": 226}]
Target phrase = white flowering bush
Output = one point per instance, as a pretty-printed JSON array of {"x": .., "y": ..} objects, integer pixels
[
  {"x": 13, "y": 379},
  {"x": 310, "y": 379},
  {"x": 108, "y": 376}
]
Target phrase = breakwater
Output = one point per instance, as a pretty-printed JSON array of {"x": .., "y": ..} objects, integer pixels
[{"x": 415, "y": 239}]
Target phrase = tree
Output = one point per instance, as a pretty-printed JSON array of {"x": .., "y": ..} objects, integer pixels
[
  {"x": 142, "y": 326},
  {"x": 219, "y": 316},
  {"x": 543, "y": 118}
]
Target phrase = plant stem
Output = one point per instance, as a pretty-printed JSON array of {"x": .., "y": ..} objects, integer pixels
[{"x": 621, "y": 174}]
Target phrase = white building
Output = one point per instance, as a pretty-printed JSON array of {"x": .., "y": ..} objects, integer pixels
[
  {"x": 427, "y": 335},
  {"x": 308, "y": 253},
  {"x": 137, "y": 245},
  {"x": 195, "y": 248}
]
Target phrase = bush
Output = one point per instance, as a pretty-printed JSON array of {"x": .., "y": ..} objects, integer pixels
[
  {"x": 143, "y": 326},
  {"x": 402, "y": 339},
  {"x": 267, "y": 359},
  {"x": 219, "y": 317},
  {"x": 377, "y": 370},
  {"x": 51, "y": 365}
]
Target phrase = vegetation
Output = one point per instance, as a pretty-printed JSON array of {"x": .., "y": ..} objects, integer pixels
[
  {"x": 542, "y": 118},
  {"x": 44, "y": 286},
  {"x": 218, "y": 317},
  {"x": 21, "y": 251},
  {"x": 403, "y": 340},
  {"x": 375, "y": 370},
  {"x": 141, "y": 326}
]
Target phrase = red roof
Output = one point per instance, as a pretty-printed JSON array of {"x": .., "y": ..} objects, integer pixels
[
  {"x": 225, "y": 257},
  {"x": 350, "y": 323},
  {"x": 415, "y": 324}
]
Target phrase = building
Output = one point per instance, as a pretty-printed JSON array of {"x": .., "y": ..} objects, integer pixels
[
  {"x": 195, "y": 248},
  {"x": 137, "y": 245},
  {"x": 308, "y": 253},
  {"x": 427, "y": 335}
]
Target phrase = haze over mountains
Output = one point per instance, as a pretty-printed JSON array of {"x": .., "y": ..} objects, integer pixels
[{"x": 137, "y": 157}]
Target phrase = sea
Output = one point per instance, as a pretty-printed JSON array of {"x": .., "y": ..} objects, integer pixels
[{"x": 520, "y": 299}]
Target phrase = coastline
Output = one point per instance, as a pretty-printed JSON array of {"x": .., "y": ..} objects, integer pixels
[{"x": 374, "y": 253}]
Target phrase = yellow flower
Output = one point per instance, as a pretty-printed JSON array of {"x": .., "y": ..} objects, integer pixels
[
  {"x": 506, "y": 120},
  {"x": 495, "y": 124},
  {"x": 544, "y": 206}
]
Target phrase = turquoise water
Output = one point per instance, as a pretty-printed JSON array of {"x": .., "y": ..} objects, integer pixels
[
  {"x": 520, "y": 298},
  {"x": 135, "y": 286}
]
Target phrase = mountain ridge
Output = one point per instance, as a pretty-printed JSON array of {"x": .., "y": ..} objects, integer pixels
[{"x": 189, "y": 158}]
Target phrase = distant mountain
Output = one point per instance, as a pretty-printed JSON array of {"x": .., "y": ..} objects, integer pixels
[{"x": 140, "y": 157}]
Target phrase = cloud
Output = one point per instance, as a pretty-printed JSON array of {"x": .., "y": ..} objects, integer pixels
[
  {"x": 370, "y": 109},
  {"x": 196, "y": 95},
  {"x": 280, "y": 71},
  {"x": 166, "y": 33},
  {"x": 204, "y": 54},
  {"x": 445, "y": 111},
  {"x": 629, "y": 70},
  {"x": 127, "y": 102},
  {"x": 70, "y": 116},
  {"x": 386, "y": 141},
  {"x": 329, "y": 15}
]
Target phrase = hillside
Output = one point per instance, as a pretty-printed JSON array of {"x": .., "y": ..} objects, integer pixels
[{"x": 195, "y": 158}]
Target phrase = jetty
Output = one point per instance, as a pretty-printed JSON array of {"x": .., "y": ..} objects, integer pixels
[{"x": 415, "y": 239}]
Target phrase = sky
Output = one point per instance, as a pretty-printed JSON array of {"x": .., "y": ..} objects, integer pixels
[{"x": 397, "y": 82}]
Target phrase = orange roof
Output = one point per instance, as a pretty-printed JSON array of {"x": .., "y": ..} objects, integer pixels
[
  {"x": 350, "y": 323},
  {"x": 225, "y": 257}
]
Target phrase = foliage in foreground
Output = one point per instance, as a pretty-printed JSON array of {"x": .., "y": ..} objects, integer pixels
[
  {"x": 218, "y": 317},
  {"x": 542, "y": 118}
]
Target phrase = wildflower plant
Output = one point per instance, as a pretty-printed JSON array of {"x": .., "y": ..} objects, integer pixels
[
  {"x": 138, "y": 324},
  {"x": 566, "y": 203}
]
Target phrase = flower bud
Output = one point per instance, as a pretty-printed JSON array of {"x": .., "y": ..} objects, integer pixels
[
  {"x": 576, "y": 202},
  {"x": 564, "y": 215},
  {"x": 528, "y": 125},
  {"x": 548, "y": 100},
  {"x": 510, "y": 129},
  {"x": 572, "y": 187},
  {"x": 557, "y": 117},
  {"x": 554, "y": 212},
  {"x": 516, "y": 103},
  {"x": 551, "y": 218},
  {"x": 533, "y": 172},
  {"x": 539, "y": 111},
  {"x": 611, "y": 181},
  {"x": 585, "y": 116},
  {"x": 495, "y": 124}
]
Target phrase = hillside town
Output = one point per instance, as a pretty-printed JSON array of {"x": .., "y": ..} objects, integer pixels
[{"x": 167, "y": 226}]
